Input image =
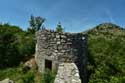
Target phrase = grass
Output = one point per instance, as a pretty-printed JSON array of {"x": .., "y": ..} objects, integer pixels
[{"x": 31, "y": 76}]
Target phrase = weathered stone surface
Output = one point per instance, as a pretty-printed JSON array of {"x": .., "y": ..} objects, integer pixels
[
  {"x": 67, "y": 73},
  {"x": 30, "y": 63},
  {"x": 53, "y": 48},
  {"x": 7, "y": 80}
]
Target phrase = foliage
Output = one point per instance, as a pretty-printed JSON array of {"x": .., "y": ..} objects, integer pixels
[
  {"x": 28, "y": 78},
  {"x": 59, "y": 28},
  {"x": 48, "y": 77},
  {"x": 32, "y": 76},
  {"x": 35, "y": 23},
  {"x": 106, "y": 44},
  {"x": 15, "y": 45}
]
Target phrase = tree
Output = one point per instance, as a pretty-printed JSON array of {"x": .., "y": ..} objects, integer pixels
[
  {"x": 59, "y": 28},
  {"x": 8, "y": 51},
  {"x": 15, "y": 45},
  {"x": 35, "y": 23}
]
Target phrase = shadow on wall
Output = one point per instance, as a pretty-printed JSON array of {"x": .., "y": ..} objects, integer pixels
[{"x": 53, "y": 48}]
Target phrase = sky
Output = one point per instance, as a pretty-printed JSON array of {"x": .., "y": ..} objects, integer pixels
[{"x": 74, "y": 15}]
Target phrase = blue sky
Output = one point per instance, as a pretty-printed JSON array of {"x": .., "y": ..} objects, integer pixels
[{"x": 74, "y": 15}]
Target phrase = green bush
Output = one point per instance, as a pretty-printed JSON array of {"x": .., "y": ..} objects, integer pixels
[
  {"x": 48, "y": 76},
  {"x": 28, "y": 78},
  {"x": 15, "y": 45}
]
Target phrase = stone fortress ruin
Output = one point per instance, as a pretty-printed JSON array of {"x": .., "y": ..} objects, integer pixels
[{"x": 54, "y": 48}]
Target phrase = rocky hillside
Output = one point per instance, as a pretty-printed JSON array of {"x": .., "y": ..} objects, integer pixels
[{"x": 106, "y": 45}]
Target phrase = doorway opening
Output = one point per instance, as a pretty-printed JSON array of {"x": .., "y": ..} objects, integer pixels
[{"x": 48, "y": 64}]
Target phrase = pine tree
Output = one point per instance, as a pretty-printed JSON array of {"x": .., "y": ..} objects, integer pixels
[{"x": 59, "y": 28}]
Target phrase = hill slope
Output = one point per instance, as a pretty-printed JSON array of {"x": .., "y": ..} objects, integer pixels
[{"x": 106, "y": 44}]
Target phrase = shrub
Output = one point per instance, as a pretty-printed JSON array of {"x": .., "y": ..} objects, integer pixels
[
  {"x": 28, "y": 78},
  {"x": 48, "y": 77}
]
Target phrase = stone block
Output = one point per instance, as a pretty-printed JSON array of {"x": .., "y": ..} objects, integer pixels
[{"x": 64, "y": 74}]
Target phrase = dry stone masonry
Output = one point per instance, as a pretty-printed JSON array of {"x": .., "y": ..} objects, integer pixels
[
  {"x": 67, "y": 73},
  {"x": 53, "y": 48}
]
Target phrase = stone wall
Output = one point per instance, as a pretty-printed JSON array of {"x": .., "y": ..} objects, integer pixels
[
  {"x": 61, "y": 47},
  {"x": 67, "y": 73}
]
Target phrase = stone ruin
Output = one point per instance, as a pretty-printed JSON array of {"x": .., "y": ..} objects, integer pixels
[
  {"x": 67, "y": 73},
  {"x": 54, "y": 48}
]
